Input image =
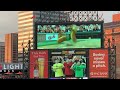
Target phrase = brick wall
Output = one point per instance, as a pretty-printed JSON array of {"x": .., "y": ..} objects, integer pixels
[
  {"x": 116, "y": 17},
  {"x": 107, "y": 34}
]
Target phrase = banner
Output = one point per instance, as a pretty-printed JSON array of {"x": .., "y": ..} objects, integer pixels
[
  {"x": 0, "y": 68},
  {"x": 98, "y": 63},
  {"x": 39, "y": 64}
]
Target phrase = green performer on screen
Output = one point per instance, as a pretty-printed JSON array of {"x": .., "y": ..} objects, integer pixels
[
  {"x": 78, "y": 69},
  {"x": 73, "y": 30},
  {"x": 58, "y": 68}
]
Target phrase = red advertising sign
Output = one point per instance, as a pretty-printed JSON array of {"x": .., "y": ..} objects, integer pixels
[
  {"x": 98, "y": 63},
  {"x": 39, "y": 64},
  {"x": 1, "y": 68}
]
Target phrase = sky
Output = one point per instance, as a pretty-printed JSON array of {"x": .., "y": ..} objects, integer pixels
[{"x": 8, "y": 21}]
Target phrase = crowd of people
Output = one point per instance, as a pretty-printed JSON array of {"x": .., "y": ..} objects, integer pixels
[
  {"x": 52, "y": 29},
  {"x": 63, "y": 28},
  {"x": 69, "y": 66}
]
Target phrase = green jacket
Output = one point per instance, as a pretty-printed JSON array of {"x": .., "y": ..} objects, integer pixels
[
  {"x": 79, "y": 70},
  {"x": 57, "y": 68}
]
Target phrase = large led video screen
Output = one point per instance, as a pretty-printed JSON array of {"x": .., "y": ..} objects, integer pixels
[
  {"x": 68, "y": 64},
  {"x": 88, "y": 35}
]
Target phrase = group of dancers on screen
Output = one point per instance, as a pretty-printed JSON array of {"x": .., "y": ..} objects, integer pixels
[{"x": 69, "y": 66}]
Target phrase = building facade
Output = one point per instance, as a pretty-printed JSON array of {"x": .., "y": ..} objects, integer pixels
[
  {"x": 11, "y": 48},
  {"x": 2, "y": 52},
  {"x": 112, "y": 32},
  {"x": 26, "y": 25}
]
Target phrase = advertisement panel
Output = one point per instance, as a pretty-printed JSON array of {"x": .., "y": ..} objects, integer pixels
[
  {"x": 0, "y": 68},
  {"x": 39, "y": 64},
  {"x": 98, "y": 63},
  {"x": 74, "y": 35},
  {"x": 68, "y": 64}
]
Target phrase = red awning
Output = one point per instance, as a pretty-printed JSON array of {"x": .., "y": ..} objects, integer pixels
[
  {"x": 8, "y": 73},
  {"x": 19, "y": 73}
]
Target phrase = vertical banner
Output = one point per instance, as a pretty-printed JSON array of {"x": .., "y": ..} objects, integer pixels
[
  {"x": 98, "y": 63},
  {"x": 0, "y": 67},
  {"x": 39, "y": 64}
]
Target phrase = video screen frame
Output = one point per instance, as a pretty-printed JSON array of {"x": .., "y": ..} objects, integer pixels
[{"x": 68, "y": 23}]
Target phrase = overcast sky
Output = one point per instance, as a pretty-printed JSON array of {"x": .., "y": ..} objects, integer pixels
[{"x": 8, "y": 21}]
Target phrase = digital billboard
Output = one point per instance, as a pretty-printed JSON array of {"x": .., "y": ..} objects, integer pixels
[
  {"x": 74, "y": 35},
  {"x": 68, "y": 64},
  {"x": 38, "y": 64},
  {"x": 98, "y": 63}
]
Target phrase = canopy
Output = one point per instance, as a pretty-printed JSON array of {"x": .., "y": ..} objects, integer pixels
[
  {"x": 8, "y": 73},
  {"x": 19, "y": 73}
]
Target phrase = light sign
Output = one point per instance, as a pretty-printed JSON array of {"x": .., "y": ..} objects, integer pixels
[{"x": 12, "y": 66}]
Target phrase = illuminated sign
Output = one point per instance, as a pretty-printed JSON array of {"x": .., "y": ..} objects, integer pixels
[{"x": 12, "y": 66}]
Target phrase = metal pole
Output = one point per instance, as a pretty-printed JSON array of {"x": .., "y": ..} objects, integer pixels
[
  {"x": 115, "y": 61},
  {"x": 29, "y": 58},
  {"x": 109, "y": 54},
  {"x": 23, "y": 60}
]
